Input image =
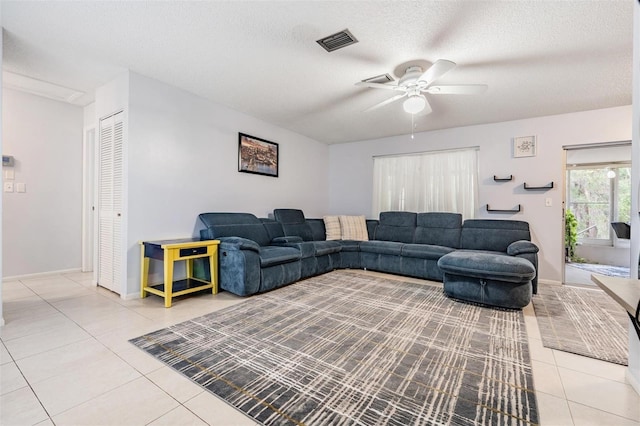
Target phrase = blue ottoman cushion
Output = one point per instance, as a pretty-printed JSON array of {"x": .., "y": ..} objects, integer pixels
[
  {"x": 488, "y": 279},
  {"x": 488, "y": 266}
]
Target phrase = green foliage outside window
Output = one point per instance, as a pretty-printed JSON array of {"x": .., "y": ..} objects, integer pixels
[
  {"x": 570, "y": 235},
  {"x": 596, "y": 200}
]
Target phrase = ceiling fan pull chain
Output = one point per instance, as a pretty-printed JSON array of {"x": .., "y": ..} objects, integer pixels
[{"x": 412, "y": 126}]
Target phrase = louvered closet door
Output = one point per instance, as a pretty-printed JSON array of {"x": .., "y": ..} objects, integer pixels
[{"x": 110, "y": 203}]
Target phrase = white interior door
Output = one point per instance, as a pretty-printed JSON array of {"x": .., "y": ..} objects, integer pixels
[{"x": 110, "y": 203}]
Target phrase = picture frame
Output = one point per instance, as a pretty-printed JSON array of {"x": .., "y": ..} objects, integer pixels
[
  {"x": 258, "y": 156},
  {"x": 525, "y": 146}
]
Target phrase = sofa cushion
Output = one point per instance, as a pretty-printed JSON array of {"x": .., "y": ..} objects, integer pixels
[
  {"x": 273, "y": 255},
  {"x": 353, "y": 228},
  {"x": 243, "y": 225},
  {"x": 382, "y": 247},
  {"x": 425, "y": 251},
  {"x": 289, "y": 216},
  {"x": 332, "y": 228},
  {"x": 327, "y": 247},
  {"x": 317, "y": 229},
  {"x": 441, "y": 229},
  {"x": 349, "y": 245},
  {"x": 492, "y": 234},
  {"x": 487, "y": 266},
  {"x": 396, "y": 226},
  {"x": 293, "y": 223},
  {"x": 522, "y": 247},
  {"x": 274, "y": 228}
]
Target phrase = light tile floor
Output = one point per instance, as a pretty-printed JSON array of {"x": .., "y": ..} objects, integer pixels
[{"x": 66, "y": 360}]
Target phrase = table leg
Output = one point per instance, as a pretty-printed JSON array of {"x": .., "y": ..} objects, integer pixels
[
  {"x": 168, "y": 277},
  {"x": 189, "y": 268},
  {"x": 213, "y": 266},
  {"x": 144, "y": 272}
]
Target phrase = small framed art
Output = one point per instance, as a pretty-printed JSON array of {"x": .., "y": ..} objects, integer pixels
[
  {"x": 524, "y": 146},
  {"x": 256, "y": 155}
]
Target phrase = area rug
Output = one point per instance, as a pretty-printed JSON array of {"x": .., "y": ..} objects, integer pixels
[
  {"x": 582, "y": 321},
  {"x": 349, "y": 348},
  {"x": 608, "y": 270}
]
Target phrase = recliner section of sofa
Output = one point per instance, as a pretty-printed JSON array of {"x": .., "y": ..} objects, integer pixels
[
  {"x": 292, "y": 247},
  {"x": 499, "y": 237},
  {"x": 249, "y": 259}
]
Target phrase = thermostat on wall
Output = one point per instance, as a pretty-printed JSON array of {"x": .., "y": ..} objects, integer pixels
[{"x": 7, "y": 161}]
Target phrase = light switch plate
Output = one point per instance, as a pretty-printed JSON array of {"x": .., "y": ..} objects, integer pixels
[
  {"x": 21, "y": 187},
  {"x": 9, "y": 174},
  {"x": 8, "y": 187}
]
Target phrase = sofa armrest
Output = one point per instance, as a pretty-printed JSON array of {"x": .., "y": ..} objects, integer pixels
[
  {"x": 285, "y": 240},
  {"x": 238, "y": 243},
  {"x": 521, "y": 247}
]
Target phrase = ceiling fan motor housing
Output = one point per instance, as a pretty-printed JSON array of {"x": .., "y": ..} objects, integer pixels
[{"x": 410, "y": 76}]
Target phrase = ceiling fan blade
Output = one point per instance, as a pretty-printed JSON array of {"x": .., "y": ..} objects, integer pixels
[
  {"x": 459, "y": 89},
  {"x": 378, "y": 85},
  {"x": 387, "y": 102},
  {"x": 426, "y": 111},
  {"x": 437, "y": 70}
]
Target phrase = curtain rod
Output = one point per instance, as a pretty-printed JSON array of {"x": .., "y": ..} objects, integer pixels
[
  {"x": 596, "y": 145},
  {"x": 477, "y": 148}
]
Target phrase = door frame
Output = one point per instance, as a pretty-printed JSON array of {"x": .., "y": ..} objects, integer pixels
[
  {"x": 88, "y": 197},
  {"x": 566, "y": 148}
]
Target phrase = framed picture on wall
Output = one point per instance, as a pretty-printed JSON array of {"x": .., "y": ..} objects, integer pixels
[
  {"x": 258, "y": 156},
  {"x": 524, "y": 146}
]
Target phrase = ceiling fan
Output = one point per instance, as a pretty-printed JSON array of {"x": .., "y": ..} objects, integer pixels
[{"x": 415, "y": 83}]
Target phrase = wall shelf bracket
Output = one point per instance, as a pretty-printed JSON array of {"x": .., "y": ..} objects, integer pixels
[
  {"x": 538, "y": 188},
  {"x": 516, "y": 210}
]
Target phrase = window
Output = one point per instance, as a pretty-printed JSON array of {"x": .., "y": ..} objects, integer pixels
[
  {"x": 445, "y": 181},
  {"x": 597, "y": 196}
]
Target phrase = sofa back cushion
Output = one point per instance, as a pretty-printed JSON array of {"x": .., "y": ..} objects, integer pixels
[
  {"x": 490, "y": 234},
  {"x": 274, "y": 228},
  {"x": 293, "y": 223},
  {"x": 243, "y": 225},
  {"x": 317, "y": 229},
  {"x": 440, "y": 229},
  {"x": 396, "y": 226}
]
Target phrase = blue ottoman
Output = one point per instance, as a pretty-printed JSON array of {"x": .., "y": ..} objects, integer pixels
[{"x": 488, "y": 279}]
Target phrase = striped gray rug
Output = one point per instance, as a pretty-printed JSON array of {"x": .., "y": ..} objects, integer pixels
[
  {"x": 348, "y": 348},
  {"x": 582, "y": 321}
]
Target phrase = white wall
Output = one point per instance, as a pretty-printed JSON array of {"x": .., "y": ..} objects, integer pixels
[
  {"x": 42, "y": 227},
  {"x": 635, "y": 149},
  {"x": 183, "y": 160},
  {"x": 351, "y": 169},
  {"x": 1, "y": 182}
]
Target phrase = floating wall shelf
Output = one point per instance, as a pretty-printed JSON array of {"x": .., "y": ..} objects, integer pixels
[
  {"x": 538, "y": 188},
  {"x": 489, "y": 209},
  {"x": 504, "y": 179}
]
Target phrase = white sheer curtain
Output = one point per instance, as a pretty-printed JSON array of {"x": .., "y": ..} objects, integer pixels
[{"x": 439, "y": 181}]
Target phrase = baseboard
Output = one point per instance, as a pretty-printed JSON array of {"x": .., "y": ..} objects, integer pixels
[
  {"x": 632, "y": 381},
  {"x": 41, "y": 274},
  {"x": 551, "y": 282},
  {"x": 131, "y": 296}
]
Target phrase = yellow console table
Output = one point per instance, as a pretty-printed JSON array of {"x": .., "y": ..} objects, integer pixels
[{"x": 171, "y": 251}]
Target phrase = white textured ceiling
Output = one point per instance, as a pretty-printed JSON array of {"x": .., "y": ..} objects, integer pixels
[{"x": 537, "y": 57}]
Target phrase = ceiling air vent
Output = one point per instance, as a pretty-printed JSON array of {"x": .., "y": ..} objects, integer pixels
[
  {"x": 380, "y": 79},
  {"x": 337, "y": 41}
]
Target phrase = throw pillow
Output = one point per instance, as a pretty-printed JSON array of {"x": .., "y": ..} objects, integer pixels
[
  {"x": 332, "y": 227},
  {"x": 354, "y": 228}
]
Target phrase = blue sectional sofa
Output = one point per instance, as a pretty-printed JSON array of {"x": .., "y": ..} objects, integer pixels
[{"x": 257, "y": 255}]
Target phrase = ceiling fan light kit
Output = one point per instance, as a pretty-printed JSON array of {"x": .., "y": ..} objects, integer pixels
[
  {"x": 414, "y": 104},
  {"x": 414, "y": 83}
]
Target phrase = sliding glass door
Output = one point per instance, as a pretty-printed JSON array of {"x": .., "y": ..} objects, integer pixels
[{"x": 598, "y": 196}]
